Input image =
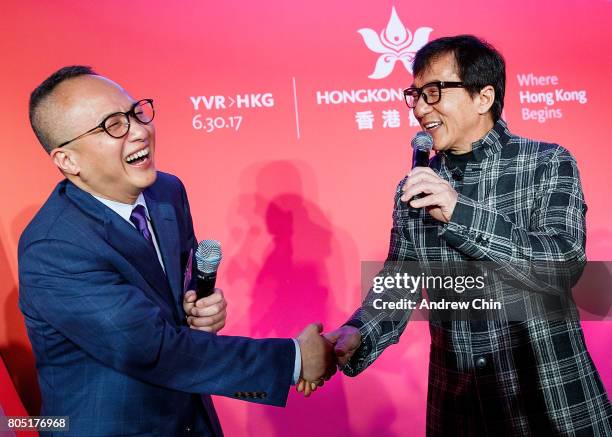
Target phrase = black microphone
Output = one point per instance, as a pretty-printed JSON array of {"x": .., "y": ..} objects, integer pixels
[
  {"x": 208, "y": 257},
  {"x": 422, "y": 144}
]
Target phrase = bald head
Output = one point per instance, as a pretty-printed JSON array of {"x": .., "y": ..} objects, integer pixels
[{"x": 45, "y": 114}]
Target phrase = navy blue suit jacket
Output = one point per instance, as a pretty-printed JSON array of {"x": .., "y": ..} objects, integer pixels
[{"x": 113, "y": 350}]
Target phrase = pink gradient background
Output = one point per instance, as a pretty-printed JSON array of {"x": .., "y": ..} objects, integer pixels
[{"x": 296, "y": 216}]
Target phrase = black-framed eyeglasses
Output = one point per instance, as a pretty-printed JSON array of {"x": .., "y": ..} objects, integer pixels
[
  {"x": 117, "y": 125},
  {"x": 431, "y": 92}
]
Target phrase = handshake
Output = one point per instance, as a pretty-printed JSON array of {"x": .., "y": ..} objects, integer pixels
[{"x": 323, "y": 353}]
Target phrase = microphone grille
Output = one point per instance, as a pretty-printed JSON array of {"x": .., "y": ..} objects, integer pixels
[
  {"x": 208, "y": 256},
  {"x": 422, "y": 141}
]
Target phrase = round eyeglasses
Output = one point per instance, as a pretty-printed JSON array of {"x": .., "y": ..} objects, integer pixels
[
  {"x": 431, "y": 92},
  {"x": 117, "y": 125}
]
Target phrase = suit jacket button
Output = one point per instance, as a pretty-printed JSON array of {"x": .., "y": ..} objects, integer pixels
[{"x": 188, "y": 428}]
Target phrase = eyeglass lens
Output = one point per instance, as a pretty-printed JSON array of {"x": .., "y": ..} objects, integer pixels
[
  {"x": 431, "y": 94},
  {"x": 117, "y": 125}
]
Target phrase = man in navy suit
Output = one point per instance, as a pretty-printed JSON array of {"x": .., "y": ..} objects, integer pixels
[{"x": 102, "y": 271}]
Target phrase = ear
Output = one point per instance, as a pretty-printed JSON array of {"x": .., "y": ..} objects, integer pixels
[
  {"x": 64, "y": 160},
  {"x": 485, "y": 99}
]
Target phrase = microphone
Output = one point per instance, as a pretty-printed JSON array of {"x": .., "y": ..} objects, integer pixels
[
  {"x": 208, "y": 257},
  {"x": 422, "y": 143}
]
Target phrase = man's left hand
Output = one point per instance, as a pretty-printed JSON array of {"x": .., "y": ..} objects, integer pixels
[
  {"x": 206, "y": 314},
  {"x": 439, "y": 198}
]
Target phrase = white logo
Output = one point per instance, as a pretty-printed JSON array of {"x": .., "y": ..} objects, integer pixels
[{"x": 395, "y": 43}]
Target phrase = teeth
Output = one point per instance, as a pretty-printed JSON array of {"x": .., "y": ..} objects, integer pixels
[
  {"x": 433, "y": 124},
  {"x": 134, "y": 156}
]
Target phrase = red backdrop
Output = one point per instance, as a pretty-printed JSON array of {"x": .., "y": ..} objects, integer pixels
[{"x": 293, "y": 165}]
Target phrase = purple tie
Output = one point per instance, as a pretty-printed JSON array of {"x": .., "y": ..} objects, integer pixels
[{"x": 139, "y": 218}]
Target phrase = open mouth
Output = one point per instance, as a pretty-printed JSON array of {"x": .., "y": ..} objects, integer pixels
[
  {"x": 138, "y": 157},
  {"x": 432, "y": 125}
]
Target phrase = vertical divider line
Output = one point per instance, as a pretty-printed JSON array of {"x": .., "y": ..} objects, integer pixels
[{"x": 295, "y": 103}]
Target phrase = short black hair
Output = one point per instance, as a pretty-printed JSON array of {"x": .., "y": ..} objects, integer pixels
[
  {"x": 479, "y": 64},
  {"x": 42, "y": 91}
]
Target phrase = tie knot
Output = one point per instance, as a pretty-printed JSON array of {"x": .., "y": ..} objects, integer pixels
[{"x": 139, "y": 218}]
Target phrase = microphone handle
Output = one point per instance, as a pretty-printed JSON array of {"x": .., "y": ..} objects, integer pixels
[
  {"x": 205, "y": 284},
  {"x": 420, "y": 158}
]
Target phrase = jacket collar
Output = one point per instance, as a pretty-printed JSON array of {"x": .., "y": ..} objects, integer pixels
[{"x": 491, "y": 143}]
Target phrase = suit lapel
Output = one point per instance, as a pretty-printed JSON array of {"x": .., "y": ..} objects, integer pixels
[
  {"x": 127, "y": 241},
  {"x": 164, "y": 221}
]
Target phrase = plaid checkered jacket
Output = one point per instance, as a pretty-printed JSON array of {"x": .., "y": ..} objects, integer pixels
[{"x": 520, "y": 201}]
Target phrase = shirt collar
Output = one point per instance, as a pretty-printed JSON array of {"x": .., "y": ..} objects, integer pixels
[{"x": 125, "y": 209}]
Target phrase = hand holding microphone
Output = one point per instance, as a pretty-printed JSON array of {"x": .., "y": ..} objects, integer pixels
[
  {"x": 425, "y": 188},
  {"x": 206, "y": 307}
]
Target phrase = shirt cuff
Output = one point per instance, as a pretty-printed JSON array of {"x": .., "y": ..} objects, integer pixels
[{"x": 297, "y": 367}]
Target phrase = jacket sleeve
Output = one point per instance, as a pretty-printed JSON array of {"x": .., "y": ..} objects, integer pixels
[
  {"x": 382, "y": 328},
  {"x": 547, "y": 256},
  {"x": 80, "y": 295}
]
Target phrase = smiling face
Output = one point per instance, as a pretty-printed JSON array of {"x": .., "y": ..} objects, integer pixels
[
  {"x": 458, "y": 119},
  {"x": 98, "y": 163}
]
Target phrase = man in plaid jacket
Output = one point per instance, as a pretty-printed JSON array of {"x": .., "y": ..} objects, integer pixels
[{"x": 488, "y": 195}]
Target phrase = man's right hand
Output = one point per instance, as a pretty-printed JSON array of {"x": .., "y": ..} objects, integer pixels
[
  {"x": 346, "y": 340},
  {"x": 206, "y": 314},
  {"x": 318, "y": 358}
]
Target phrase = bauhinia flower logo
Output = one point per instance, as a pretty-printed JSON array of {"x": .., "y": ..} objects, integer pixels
[{"x": 395, "y": 43}]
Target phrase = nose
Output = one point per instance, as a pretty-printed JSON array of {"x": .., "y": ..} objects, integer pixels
[
  {"x": 422, "y": 108},
  {"x": 139, "y": 131}
]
